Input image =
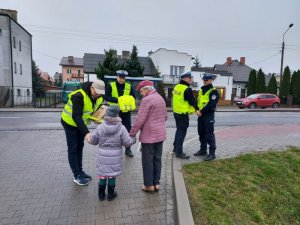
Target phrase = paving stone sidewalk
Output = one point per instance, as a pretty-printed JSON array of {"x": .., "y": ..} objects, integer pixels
[{"x": 36, "y": 182}]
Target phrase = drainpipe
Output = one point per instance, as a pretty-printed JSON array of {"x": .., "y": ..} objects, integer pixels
[{"x": 11, "y": 60}]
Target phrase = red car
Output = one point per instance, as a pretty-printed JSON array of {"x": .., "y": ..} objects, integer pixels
[{"x": 262, "y": 100}]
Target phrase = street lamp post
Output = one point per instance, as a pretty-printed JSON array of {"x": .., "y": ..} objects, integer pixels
[{"x": 282, "y": 52}]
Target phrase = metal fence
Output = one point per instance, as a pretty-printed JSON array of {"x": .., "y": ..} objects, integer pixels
[{"x": 24, "y": 100}]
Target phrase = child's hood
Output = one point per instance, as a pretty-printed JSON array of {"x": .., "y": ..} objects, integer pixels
[{"x": 111, "y": 126}]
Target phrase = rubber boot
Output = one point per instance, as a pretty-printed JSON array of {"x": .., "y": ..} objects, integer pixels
[
  {"x": 101, "y": 192},
  {"x": 111, "y": 192}
]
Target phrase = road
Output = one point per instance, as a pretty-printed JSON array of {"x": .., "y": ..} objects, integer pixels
[{"x": 51, "y": 120}]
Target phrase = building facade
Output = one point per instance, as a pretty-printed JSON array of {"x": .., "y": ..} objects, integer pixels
[
  {"x": 170, "y": 64},
  {"x": 15, "y": 61},
  {"x": 72, "y": 69}
]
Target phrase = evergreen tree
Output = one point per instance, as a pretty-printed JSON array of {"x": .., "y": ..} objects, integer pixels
[
  {"x": 292, "y": 88},
  {"x": 37, "y": 81},
  {"x": 296, "y": 88},
  {"x": 251, "y": 82},
  {"x": 285, "y": 85},
  {"x": 272, "y": 86},
  {"x": 133, "y": 66},
  {"x": 197, "y": 62},
  {"x": 109, "y": 66},
  {"x": 260, "y": 82}
]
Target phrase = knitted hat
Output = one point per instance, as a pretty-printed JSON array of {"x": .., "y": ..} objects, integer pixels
[
  {"x": 112, "y": 111},
  {"x": 144, "y": 83}
]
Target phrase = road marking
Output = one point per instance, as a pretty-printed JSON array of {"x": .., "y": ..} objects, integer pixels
[{"x": 7, "y": 117}]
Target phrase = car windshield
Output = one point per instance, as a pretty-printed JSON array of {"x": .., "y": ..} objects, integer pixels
[{"x": 253, "y": 96}]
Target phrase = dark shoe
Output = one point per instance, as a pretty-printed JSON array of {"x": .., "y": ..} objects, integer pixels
[
  {"x": 86, "y": 176},
  {"x": 80, "y": 180},
  {"x": 209, "y": 157},
  {"x": 183, "y": 156},
  {"x": 200, "y": 153},
  {"x": 111, "y": 192},
  {"x": 128, "y": 153},
  {"x": 101, "y": 192}
]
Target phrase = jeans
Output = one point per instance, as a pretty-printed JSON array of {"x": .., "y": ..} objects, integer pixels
[
  {"x": 206, "y": 133},
  {"x": 182, "y": 124},
  {"x": 151, "y": 161},
  {"x": 75, "y": 143}
]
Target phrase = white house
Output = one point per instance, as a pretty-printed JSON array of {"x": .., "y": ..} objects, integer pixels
[
  {"x": 223, "y": 83},
  {"x": 170, "y": 64},
  {"x": 15, "y": 61}
]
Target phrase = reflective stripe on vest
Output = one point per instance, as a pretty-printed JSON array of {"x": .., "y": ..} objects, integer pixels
[
  {"x": 87, "y": 108},
  {"x": 181, "y": 106},
  {"x": 204, "y": 99},
  {"x": 114, "y": 91}
]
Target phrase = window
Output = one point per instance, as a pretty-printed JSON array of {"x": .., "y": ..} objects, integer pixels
[
  {"x": 21, "y": 69},
  {"x": 28, "y": 92},
  {"x": 176, "y": 70},
  {"x": 69, "y": 71},
  {"x": 18, "y": 92},
  {"x": 14, "y": 41},
  {"x": 79, "y": 72},
  {"x": 15, "y": 67},
  {"x": 20, "y": 46}
]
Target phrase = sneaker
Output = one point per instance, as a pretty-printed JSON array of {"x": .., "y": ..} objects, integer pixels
[
  {"x": 86, "y": 176},
  {"x": 80, "y": 180}
]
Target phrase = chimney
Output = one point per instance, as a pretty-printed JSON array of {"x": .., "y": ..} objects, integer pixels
[
  {"x": 125, "y": 54},
  {"x": 11, "y": 13},
  {"x": 70, "y": 58},
  {"x": 229, "y": 61},
  {"x": 242, "y": 60},
  {"x": 150, "y": 53}
]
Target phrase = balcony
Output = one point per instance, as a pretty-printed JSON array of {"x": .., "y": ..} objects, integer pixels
[{"x": 77, "y": 76}]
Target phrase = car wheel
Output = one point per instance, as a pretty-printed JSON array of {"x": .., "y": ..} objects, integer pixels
[
  {"x": 252, "y": 106},
  {"x": 241, "y": 107},
  {"x": 275, "y": 105}
]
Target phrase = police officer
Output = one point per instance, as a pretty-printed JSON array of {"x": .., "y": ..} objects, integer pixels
[
  {"x": 208, "y": 98},
  {"x": 115, "y": 90},
  {"x": 74, "y": 119},
  {"x": 184, "y": 103}
]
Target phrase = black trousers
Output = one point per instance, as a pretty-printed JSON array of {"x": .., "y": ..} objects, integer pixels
[
  {"x": 126, "y": 121},
  {"x": 151, "y": 162},
  {"x": 182, "y": 124},
  {"x": 75, "y": 143},
  {"x": 206, "y": 133}
]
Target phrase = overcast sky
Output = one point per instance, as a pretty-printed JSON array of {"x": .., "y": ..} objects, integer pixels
[{"x": 209, "y": 29}]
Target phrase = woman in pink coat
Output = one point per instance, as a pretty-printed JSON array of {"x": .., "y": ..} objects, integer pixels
[{"x": 151, "y": 122}]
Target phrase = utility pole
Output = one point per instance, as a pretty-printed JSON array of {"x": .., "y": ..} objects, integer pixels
[{"x": 282, "y": 52}]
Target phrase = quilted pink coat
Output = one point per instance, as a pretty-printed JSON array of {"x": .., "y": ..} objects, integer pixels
[{"x": 151, "y": 119}]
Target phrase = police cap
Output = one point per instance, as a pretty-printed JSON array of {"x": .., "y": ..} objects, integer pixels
[
  {"x": 121, "y": 73},
  {"x": 186, "y": 74},
  {"x": 209, "y": 76}
]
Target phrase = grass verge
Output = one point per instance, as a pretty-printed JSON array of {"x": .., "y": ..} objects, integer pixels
[{"x": 260, "y": 188}]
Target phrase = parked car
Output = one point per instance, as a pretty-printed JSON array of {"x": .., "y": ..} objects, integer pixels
[{"x": 262, "y": 100}]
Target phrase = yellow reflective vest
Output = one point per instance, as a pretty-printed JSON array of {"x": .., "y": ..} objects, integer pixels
[
  {"x": 88, "y": 108},
  {"x": 126, "y": 102},
  {"x": 203, "y": 100},
  {"x": 181, "y": 106}
]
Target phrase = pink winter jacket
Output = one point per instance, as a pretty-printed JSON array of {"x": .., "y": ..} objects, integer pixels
[{"x": 151, "y": 119}]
